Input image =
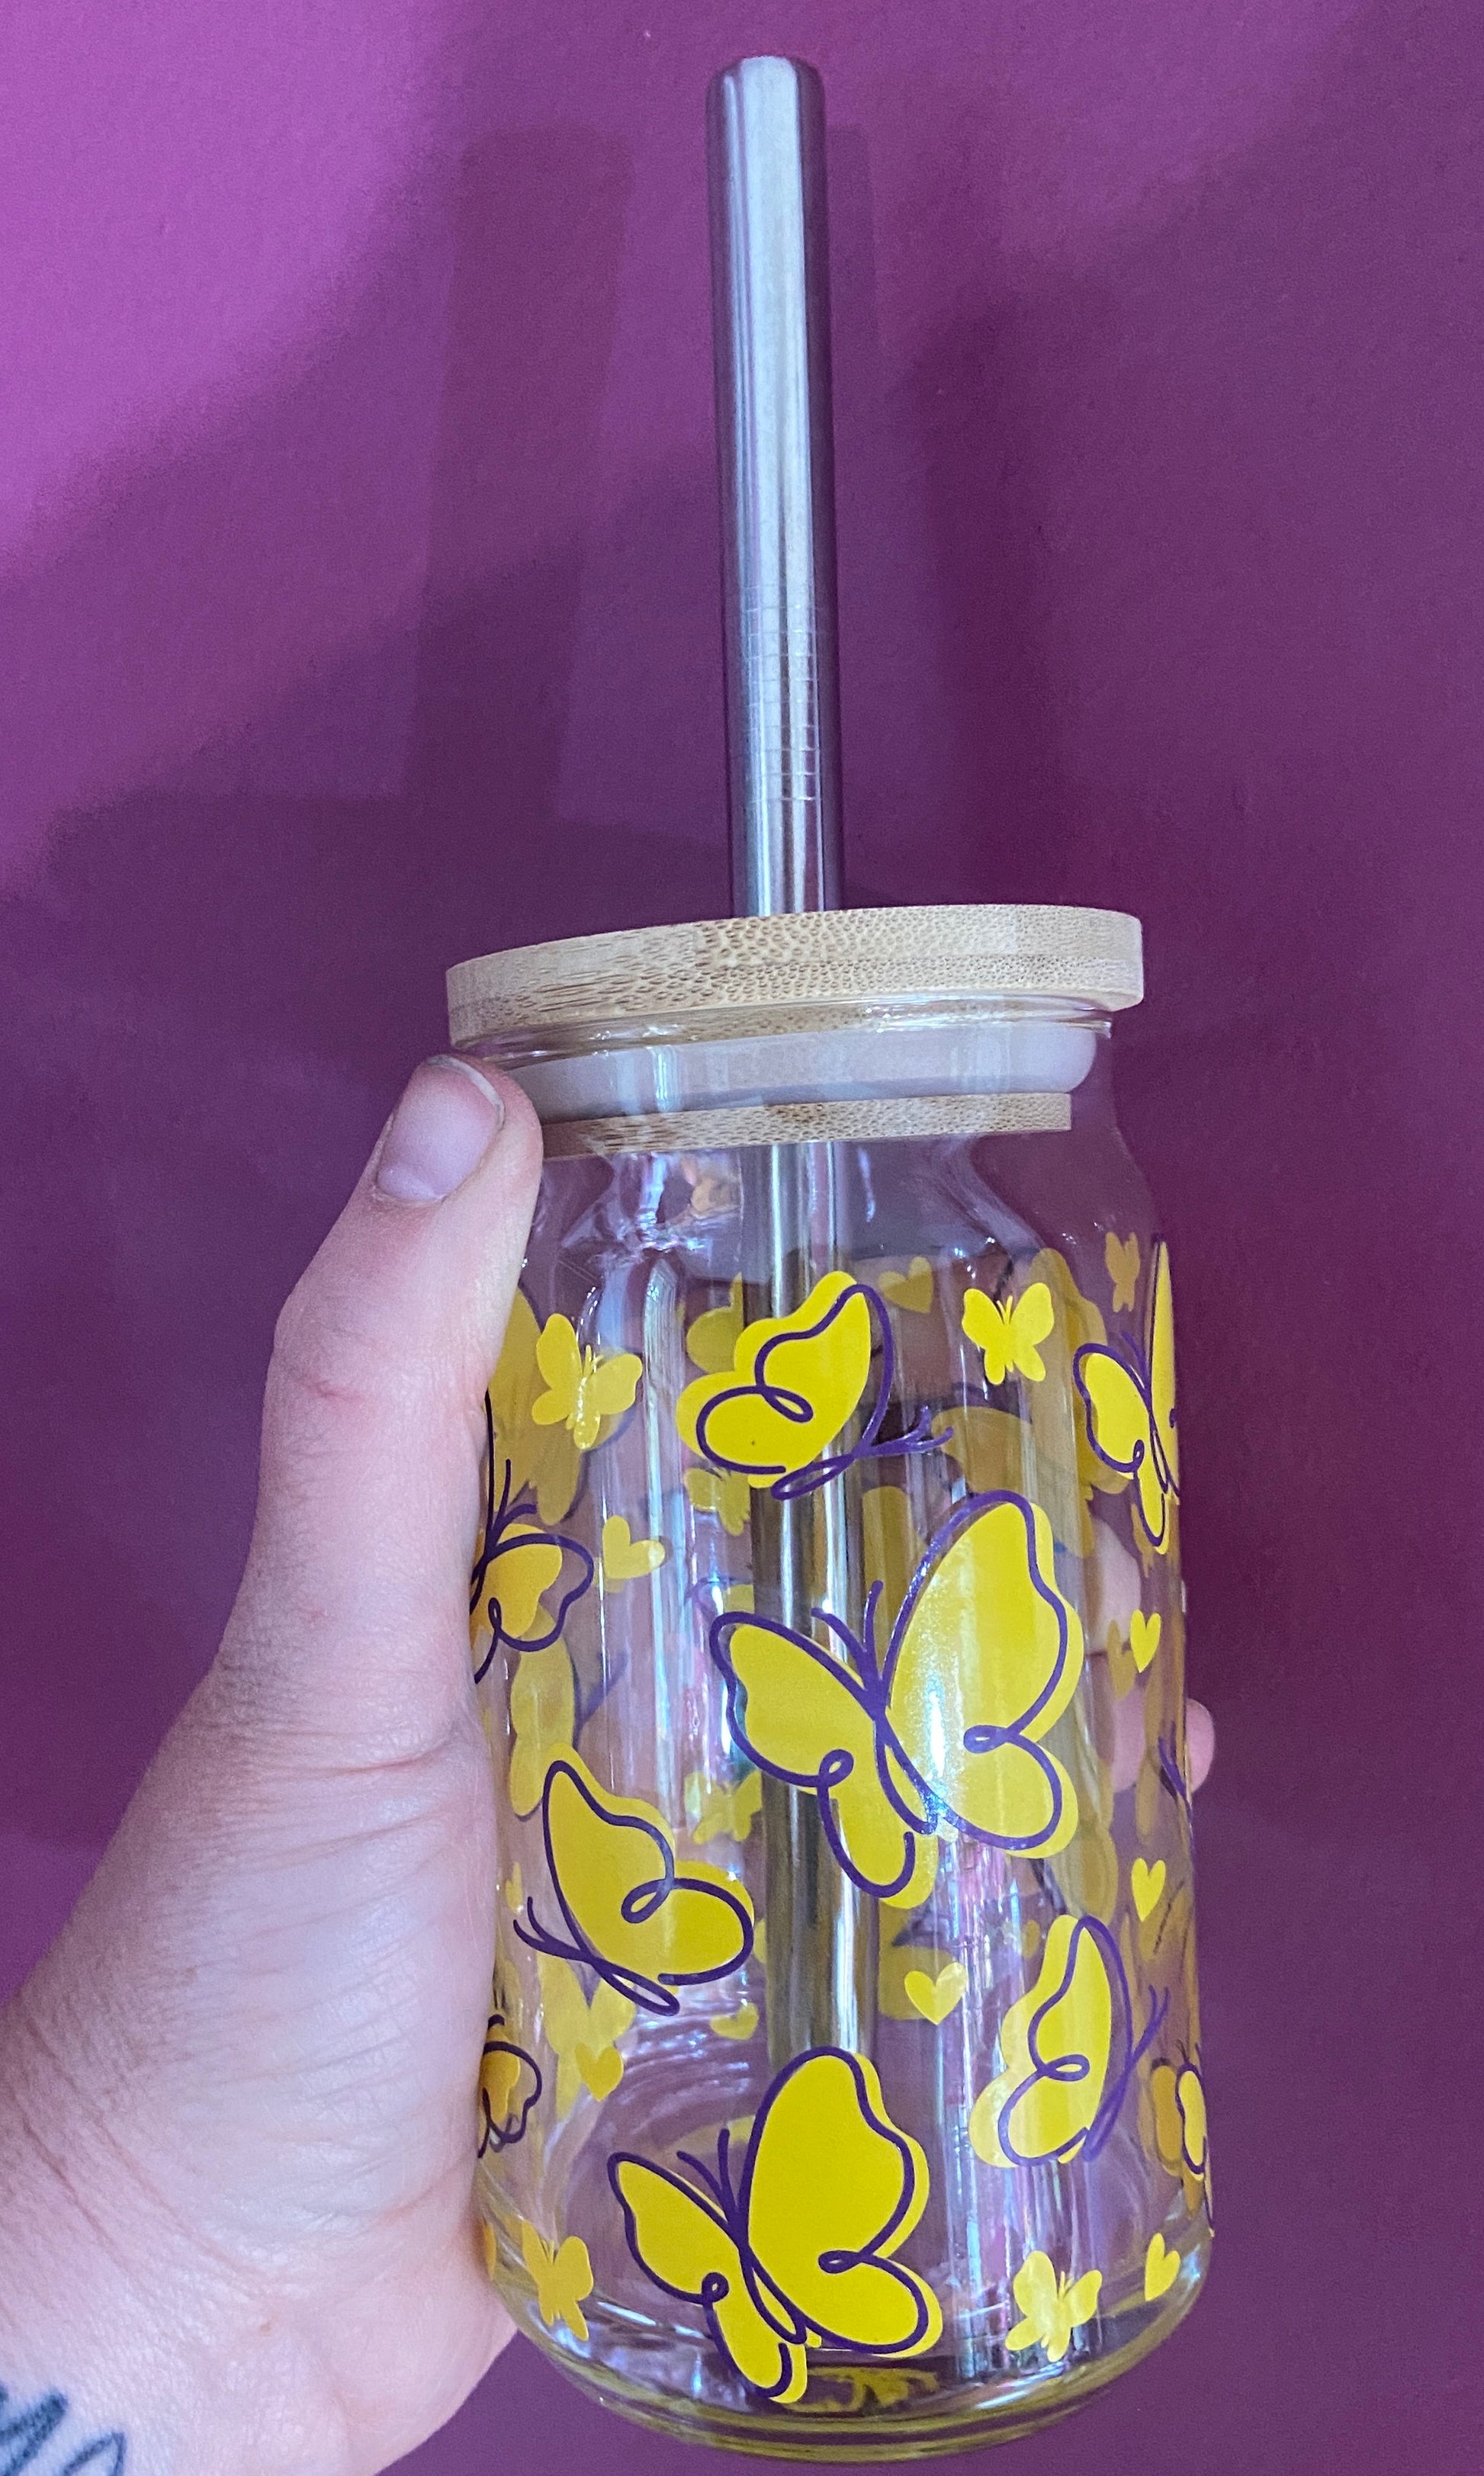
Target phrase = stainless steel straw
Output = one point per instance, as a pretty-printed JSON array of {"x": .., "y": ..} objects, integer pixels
[{"x": 771, "y": 311}]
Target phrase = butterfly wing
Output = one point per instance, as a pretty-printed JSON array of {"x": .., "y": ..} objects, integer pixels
[
  {"x": 1056, "y": 2044},
  {"x": 1032, "y": 1319},
  {"x": 832, "y": 2188},
  {"x": 988, "y": 1327},
  {"x": 543, "y": 1714},
  {"x": 682, "y": 2241},
  {"x": 1121, "y": 1429},
  {"x": 987, "y": 1656},
  {"x": 526, "y": 1561},
  {"x": 613, "y": 1383},
  {"x": 612, "y": 1860},
  {"x": 1161, "y": 1351},
  {"x": 804, "y": 1717},
  {"x": 795, "y": 1381},
  {"x": 560, "y": 1362}
]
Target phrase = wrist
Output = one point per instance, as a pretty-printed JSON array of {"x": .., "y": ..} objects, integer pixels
[{"x": 123, "y": 2345}]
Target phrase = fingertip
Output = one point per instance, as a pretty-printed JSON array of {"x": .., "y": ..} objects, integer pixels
[
  {"x": 1200, "y": 1741},
  {"x": 452, "y": 1114}
]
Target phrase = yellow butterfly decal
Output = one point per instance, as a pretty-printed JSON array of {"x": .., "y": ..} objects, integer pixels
[
  {"x": 1122, "y": 1259},
  {"x": 794, "y": 1382},
  {"x": 583, "y": 1387},
  {"x": 629, "y": 1912},
  {"x": 712, "y": 1339},
  {"x": 911, "y": 1289},
  {"x": 727, "y": 1494},
  {"x": 716, "y": 1812},
  {"x": 983, "y": 1659},
  {"x": 1008, "y": 1335},
  {"x": 520, "y": 1558},
  {"x": 1069, "y": 2053},
  {"x": 543, "y": 1721},
  {"x": 625, "y": 1558},
  {"x": 1129, "y": 1393},
  {"x": 583, "y": 2036},
  {"x": 510, "y": 2082},
  {"x": 1178, "y": 2093},
  {"x": 791, "y": 2247},
  {"x": 1051, "y": 2306},
  {"x": 562, "y": 2275},
  {"x": 526, "y": 1462}
]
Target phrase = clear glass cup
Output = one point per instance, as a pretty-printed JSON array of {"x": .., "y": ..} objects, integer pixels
[{"x": 842, "y": 2090}]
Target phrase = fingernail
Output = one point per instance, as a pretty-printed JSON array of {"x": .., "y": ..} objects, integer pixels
[{"x": 441, "y": 1129}]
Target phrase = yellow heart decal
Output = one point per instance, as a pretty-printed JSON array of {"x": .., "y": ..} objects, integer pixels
[
  {"x": 935, "y": 1998},
  {"x": 1146, "y": 1884},
  {"x": 602, "y": 2068},
  {"x": 735, "y": 2025},
  {"x": 625, "y": 1558},
  {"x": 1144, "y": 1634},
  {"x": 911, "y": 1289},
  {"x": 1161, "y": 2269}
]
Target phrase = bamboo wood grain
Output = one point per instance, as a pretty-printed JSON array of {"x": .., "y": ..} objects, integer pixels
[
  {"x": 780, "y": 969},
  {"x": 813, "y": 1121}
]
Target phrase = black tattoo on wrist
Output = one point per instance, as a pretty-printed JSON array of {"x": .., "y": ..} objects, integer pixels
[{"x": 27, "y": 2435}]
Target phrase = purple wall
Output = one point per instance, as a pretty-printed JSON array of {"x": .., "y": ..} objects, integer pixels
[{"x": 358, "y": 612}]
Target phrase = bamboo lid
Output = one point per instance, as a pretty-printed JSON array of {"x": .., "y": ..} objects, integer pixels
[{"x": 791, "y": 965}]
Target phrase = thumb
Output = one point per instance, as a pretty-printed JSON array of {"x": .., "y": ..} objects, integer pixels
[{"x": 351, "y": 1630}]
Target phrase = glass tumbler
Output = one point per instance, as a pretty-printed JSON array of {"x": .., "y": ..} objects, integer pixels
[{"x": 842, "y": 2090}]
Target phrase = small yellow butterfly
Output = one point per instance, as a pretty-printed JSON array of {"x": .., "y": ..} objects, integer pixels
[
  {"x": 625, "y": 1558},
  {"x": 946, "y": 1724},
  {"x": 790, "y": 2245},
  {"x": 1051, "y": 2306},
  {"x": 561, "y": 2274},
  {"x": 1131, "y": 1420},
  {"x": 716, "y": 1812},
  {"x": 713, "y": 1337},
  {"x": 583, "y": 2036},
  {"x": 584, "y": 1388},
  {"x": 739, "y": 2024},
  {"x": 911, "y": 1289},
  {"x": 629, "y": 1912},
  {"x": 1147, "y": 1883},
  {"x": 935, "y": 1998},
  {"x": 1144, "y": 1634},
  {"x": 723, "y": 1492},
  {"x": 524, "y": 1459},
  {"x": 543, "y": 1714},
  {"x": 1122, "y": 1259},
  {"x": 1008, "y": 1336},
  {"x": 1162, "y": 2269}
]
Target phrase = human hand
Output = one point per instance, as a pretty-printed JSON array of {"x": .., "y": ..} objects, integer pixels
[
  {"x": 236, "y": 2099},
  {"x": 236, "y": 2107}
]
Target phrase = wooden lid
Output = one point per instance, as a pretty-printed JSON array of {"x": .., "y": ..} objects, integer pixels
[{"x": 786, "y": 967}]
